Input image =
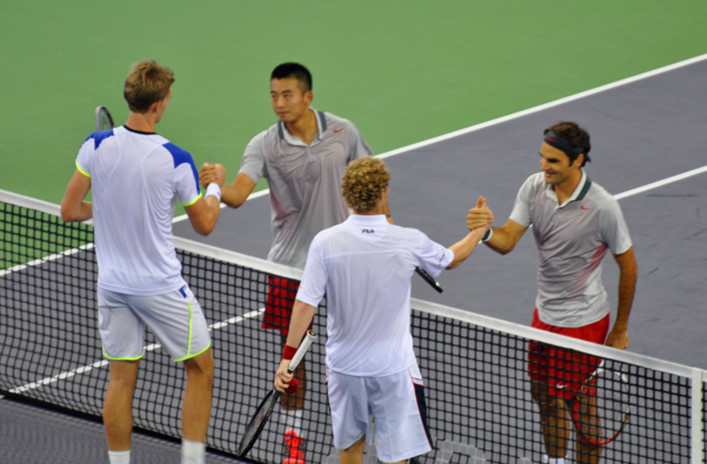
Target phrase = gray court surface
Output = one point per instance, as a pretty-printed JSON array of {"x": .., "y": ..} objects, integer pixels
[
  {"x": 643, "y": 131},
  {"x": 32, "y": 434}
]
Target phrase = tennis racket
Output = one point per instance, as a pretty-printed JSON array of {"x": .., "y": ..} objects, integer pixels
[
  {"x": 265, "y": 409},
  {"x": 601, "y": 409},
  {"x": 429, "y": 279},
  {"x": 104, "y": 121}
]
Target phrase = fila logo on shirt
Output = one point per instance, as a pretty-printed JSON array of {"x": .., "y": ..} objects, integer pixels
[{"x": 368, "y": 231}]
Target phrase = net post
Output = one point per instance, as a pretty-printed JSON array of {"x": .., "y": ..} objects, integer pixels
[{"x": 696, "y": 427}]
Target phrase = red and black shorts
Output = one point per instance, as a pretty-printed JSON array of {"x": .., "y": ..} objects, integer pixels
[
  {"x": 564, "y": 370},
  {"x": 278, "y": 305}
]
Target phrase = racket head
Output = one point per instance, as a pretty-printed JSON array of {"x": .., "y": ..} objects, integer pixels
[
  {"x": 602, "y": 408},
  {"x": 103, "y": 119},
  {"x": 257, "y": 422}
]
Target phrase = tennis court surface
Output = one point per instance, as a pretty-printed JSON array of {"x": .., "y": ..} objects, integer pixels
[{"x": 474, "y": 365}]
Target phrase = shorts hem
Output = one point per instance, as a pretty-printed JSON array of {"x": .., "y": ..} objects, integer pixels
[
  {"x": 190, "y": 356},
  {"x": 123, "y": 358}
]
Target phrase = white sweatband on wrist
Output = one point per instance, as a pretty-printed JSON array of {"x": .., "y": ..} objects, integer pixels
[
  {"x": 214, "y": 190},
  {"x": 487, "y": 236}
]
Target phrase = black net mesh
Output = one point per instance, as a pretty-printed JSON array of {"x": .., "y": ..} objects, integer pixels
[{"x": 478, "y": 392}]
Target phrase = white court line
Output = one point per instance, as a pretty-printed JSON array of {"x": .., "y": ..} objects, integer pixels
[
  {"x": 69, "y": 252},
  {"x": 660, "y": 183},
  {"x": 520, "y": 114},
  {"x": 545, "y": 106},
  {"x": 104, "y": 363}
]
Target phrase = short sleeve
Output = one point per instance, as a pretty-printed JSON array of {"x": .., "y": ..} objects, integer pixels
[
  {"x": 186, "y": 177},
  {"x": 433, "y": 257},
  {"x": 314, "y": 277},
  {"x": 613, "y": 228},
  {"x": 253, "y": 161},
  {"x": 521, "y": 208}
]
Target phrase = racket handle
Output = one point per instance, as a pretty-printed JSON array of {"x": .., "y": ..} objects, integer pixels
[
  {"x": 302, "y": 350},
  {"x": 429, "y": 279}
]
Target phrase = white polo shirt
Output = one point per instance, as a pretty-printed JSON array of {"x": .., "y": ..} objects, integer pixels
[
  {"x": 304, "y": 181},
  {"x": 365, "y": 265},
  {"x": 136, "y": 179},
  {"x": 572, "y": 239}
]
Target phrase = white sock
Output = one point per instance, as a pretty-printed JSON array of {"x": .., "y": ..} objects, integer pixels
[
  {"x": 193, "y": 452},
  {"x": 119, "y": 457},
  {"x": 292, "y": 418},
  {"x": 548, "y": 460}
]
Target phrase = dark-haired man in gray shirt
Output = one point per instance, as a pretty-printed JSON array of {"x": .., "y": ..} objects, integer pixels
[{"x": 303, "y": 156}]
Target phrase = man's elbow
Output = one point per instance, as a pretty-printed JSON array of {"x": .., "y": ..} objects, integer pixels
[
  {"x": 203, "y": 229},
  {"x": 69, "y": 214},
  {"x": 505, "y": 251},
  {"x": 233, "y": 202}
]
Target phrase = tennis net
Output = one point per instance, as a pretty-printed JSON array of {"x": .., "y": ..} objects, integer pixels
[{"x": 480, "y": 408}]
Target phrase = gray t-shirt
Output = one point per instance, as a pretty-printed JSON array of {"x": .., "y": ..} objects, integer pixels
[
  {"x": 304, "y": 181},
  {"x": 572, "y": 239}
]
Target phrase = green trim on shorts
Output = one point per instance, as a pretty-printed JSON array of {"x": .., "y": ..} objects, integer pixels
[
  {"x": 189, "y": 355},
  {"x": 186, "y": 358},
  {"x": 110, "y": 358}
]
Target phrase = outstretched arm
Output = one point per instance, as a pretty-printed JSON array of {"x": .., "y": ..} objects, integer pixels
[
  {"x": 501, "y": 239},
  {"x": 233, "y": 194},
  {"x": 465, "y": 247},
  {"x": 204, "y": 213}
]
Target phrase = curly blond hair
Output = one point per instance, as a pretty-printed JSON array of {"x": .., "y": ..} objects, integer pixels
[{"x": 364, "y": 182}]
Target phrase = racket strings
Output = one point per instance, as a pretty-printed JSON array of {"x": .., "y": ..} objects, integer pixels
[{"x": 603, "y": 406}]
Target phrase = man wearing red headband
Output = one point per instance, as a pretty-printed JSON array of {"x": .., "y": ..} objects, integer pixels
[{"x": 574, "y": 222}]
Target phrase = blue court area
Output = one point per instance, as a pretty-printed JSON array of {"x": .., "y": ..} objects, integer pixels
[{"x": 646, "y": 149}]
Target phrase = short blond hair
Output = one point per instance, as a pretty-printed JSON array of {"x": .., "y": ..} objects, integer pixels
[
  {"x": 364, "y": 182},
  {"x": 147, "y": 83}
]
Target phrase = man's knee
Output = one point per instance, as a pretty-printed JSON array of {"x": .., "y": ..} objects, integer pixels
[{"x": 201, "y": 365}]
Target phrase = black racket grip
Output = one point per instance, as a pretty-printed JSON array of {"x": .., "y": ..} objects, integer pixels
[{"x": 428, "y": 278}]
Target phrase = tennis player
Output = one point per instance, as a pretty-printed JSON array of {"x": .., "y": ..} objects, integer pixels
[
  {"x": 364, "y": 266},
  {"x": 574, "y": 222},
  {"x": 135, "y": 177},
  {"x": 303, "y": 157}
]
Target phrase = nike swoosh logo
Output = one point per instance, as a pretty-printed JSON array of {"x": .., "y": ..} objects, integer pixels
[
  {"x": 585, "y": 208},
  {"x": 336, "y": 131}
]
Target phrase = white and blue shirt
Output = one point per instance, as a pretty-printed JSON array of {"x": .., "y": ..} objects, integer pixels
[
  {"x": 136, "y": 179},
  {"x": 365, "y": 266}
]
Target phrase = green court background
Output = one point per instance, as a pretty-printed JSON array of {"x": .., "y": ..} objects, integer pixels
[{"x": 402, "y": 71}]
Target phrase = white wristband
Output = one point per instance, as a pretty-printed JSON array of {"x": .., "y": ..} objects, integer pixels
[
  {"x": 214, "y": 190},
  {"x": 487, "y": 236}
]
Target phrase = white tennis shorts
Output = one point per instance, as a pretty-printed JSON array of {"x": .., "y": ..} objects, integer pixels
[
  {"x": 174, "y": 318},
  {"x": 395, "y": 402}
]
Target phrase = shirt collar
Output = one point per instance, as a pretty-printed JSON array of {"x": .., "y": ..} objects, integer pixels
[
  {"x": 292, "y": 140},
  {"x": 367, "y": 219},
  {"x": 579, "y": 192}
]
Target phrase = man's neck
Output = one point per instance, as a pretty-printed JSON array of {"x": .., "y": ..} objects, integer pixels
[
  {"x": 141, "y": 122},
  {"x": 304, "y": 128},
  {"x": 564, "y": 190}
]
